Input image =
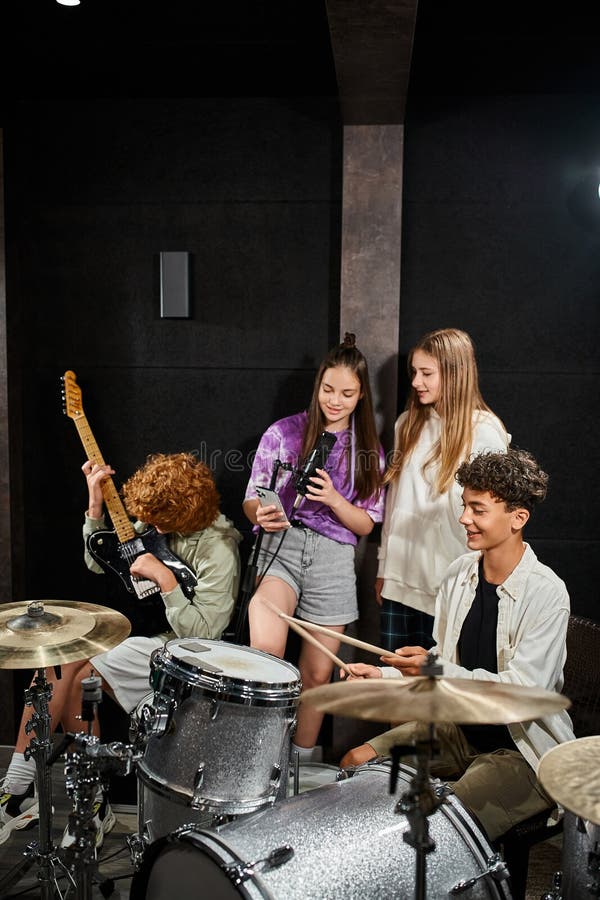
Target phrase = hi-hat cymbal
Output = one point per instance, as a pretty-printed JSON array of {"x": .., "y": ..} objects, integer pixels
[
  {"x": 571, "y": 775},
  {"x": 434, "y": 700},
  {"x": 52, "y": 632}
]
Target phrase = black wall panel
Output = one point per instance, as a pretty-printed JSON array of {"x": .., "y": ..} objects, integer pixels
[
  {"x": 95, "y": 191},
  {"x": 501, "y": 237}
]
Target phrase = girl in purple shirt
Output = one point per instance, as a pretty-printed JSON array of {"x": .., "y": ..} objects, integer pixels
[{"x": 307, "y": 568}]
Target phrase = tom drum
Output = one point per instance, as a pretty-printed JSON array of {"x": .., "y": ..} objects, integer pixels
[{"x": 218, "y": 729}]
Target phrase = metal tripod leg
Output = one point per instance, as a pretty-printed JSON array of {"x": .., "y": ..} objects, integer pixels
[{"x": 42, "y": 852}]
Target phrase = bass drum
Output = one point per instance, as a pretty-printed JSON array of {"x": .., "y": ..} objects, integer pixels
[{"x": 342, "y": 841}]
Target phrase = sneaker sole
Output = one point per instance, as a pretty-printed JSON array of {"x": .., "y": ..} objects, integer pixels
[
  {"x": 21, "y": 823},
  {"x": 107, "y": 825}
]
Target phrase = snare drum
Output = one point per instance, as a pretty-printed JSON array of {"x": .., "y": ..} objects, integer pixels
[
  {"x": 220, "y": 723},
  {"x": 346, "y": 841}
]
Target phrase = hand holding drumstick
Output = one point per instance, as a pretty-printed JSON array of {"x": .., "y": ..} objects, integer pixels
[{"x": 349, "y": 670}]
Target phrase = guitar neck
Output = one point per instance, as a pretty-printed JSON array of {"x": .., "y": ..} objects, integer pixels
[{"x": 117, "y": 512}]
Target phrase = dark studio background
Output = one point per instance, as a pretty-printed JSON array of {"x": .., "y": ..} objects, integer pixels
[{"x": 141, "y": 128}]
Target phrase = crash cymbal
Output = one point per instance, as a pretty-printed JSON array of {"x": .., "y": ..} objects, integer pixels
[
  {"x": 51, "y": 632},
  {"x": 434, "y": 700},
  {"x": 570, "y": 773}
]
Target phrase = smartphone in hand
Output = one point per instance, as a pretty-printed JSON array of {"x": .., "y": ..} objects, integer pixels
[{"x": 267, "y": 497}]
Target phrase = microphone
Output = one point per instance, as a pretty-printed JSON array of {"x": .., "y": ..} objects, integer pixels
[{"x": 316, "y": 460}]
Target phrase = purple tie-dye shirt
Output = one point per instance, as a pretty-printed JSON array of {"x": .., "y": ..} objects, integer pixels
[{"x": 283, "y": 441}]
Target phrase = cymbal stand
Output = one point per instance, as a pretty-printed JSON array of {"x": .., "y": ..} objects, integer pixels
[
  {"x": 41, "y": 852},
  {"x": 87, "y": 767},
  {"x": 417, "y": 804}
]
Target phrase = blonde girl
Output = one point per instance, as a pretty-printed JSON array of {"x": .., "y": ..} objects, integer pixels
[{"x": 445, "y": 421}]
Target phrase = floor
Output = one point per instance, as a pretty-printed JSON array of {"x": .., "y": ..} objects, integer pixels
[{"x": 115, "y": 869}]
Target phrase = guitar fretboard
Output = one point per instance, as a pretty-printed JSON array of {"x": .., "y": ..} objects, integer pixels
[{"x": 117, "y": 512}]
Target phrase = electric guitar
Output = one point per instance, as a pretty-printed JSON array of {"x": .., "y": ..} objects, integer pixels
[{"x": 115, "y": 551}]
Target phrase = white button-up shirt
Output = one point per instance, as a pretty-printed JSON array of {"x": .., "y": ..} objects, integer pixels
[{"x": 533, "y": 615}]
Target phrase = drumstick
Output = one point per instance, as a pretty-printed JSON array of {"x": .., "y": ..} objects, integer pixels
[
  {"x": 345, "y": 638},
  {"x": 299, "y": 629}
]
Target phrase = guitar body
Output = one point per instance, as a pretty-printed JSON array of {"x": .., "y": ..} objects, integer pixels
[{"x": 116, "y": 557}]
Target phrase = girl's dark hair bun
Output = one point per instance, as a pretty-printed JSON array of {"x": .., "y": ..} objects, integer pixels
[{"x": 349, "y": 340}]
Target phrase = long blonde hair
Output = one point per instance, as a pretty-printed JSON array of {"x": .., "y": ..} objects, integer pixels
[{"x": 454, "y": 353}]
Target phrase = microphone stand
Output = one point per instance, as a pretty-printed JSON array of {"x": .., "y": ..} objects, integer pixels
[{"x": 251, "y": 574}]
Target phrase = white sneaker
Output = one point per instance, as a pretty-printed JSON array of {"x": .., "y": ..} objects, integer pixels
[
  {"x": 18, "y": 812},
  {"x": 104, "y": 820}
]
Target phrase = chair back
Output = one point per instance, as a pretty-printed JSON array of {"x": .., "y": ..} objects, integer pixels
[{"x": 582, "y": 675}]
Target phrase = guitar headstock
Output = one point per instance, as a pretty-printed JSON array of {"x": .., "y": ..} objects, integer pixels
[{"x": 71, "y": 396}]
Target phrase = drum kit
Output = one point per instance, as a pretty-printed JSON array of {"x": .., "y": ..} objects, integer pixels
[
  {"x": 210, "y": 746},
  {"x": 35, "y": 636},
  {"x": 570, "y": 774}
]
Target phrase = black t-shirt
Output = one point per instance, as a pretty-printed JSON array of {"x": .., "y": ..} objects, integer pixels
[{"x": 477, "y": 650}]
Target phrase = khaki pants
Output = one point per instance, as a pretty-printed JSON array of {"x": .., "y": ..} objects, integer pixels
[{"x": 499, "y": 788}]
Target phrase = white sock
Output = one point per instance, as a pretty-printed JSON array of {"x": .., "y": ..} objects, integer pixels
[
  {"x": 20, "y": 774},
  {"x": 304, "y": 753}
]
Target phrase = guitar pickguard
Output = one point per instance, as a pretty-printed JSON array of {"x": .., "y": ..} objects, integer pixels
[{"x": 116, "y": 557}]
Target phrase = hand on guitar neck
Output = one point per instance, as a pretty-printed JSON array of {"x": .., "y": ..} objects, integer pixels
[{"x": 96, "y": 476}]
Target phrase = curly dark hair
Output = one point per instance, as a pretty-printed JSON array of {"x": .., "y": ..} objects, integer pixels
[
  {"x": 514, "y": 477},
  {"x": 173, "y": 492}
]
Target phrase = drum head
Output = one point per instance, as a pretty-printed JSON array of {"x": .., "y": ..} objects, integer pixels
[{"x": 195, "y": 658}]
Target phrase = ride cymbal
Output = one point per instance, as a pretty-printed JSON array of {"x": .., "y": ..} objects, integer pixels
[
  {"x": 52, "y": 632},
  {"x": 434, "y": 700},
  {"x": 571, "y": 775}
]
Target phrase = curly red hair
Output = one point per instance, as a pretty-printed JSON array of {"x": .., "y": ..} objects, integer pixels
[{"x": 173, "y": 492}]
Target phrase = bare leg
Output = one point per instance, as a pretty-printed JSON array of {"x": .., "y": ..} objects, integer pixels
[
  {"x": 65, "y": 704},
  {"x": 315, "y": 669},
  {"x": 268, "y": 632}
]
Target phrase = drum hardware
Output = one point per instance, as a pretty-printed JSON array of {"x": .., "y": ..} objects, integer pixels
[
  {"x": 155, "y": 718},
  {"x": 555, "y": 893},
  {"x": 295, "y": 769},
  {"x": 240, "y": 872},
  {"x": 420, "y": 801},
  {"x": 87, "y": 768},
  {"x": 36, "y": 635},
  {"x": 496, "y": 869},
  {"x": 42, "y": 852},
  {"x": 137, "y": 845},
  {"x": 417, "y": 803}
]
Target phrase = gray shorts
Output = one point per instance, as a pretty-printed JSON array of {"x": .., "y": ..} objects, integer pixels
[
  {"x": 126, "y": 668},
  {"x": 319, "y": 570}
]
